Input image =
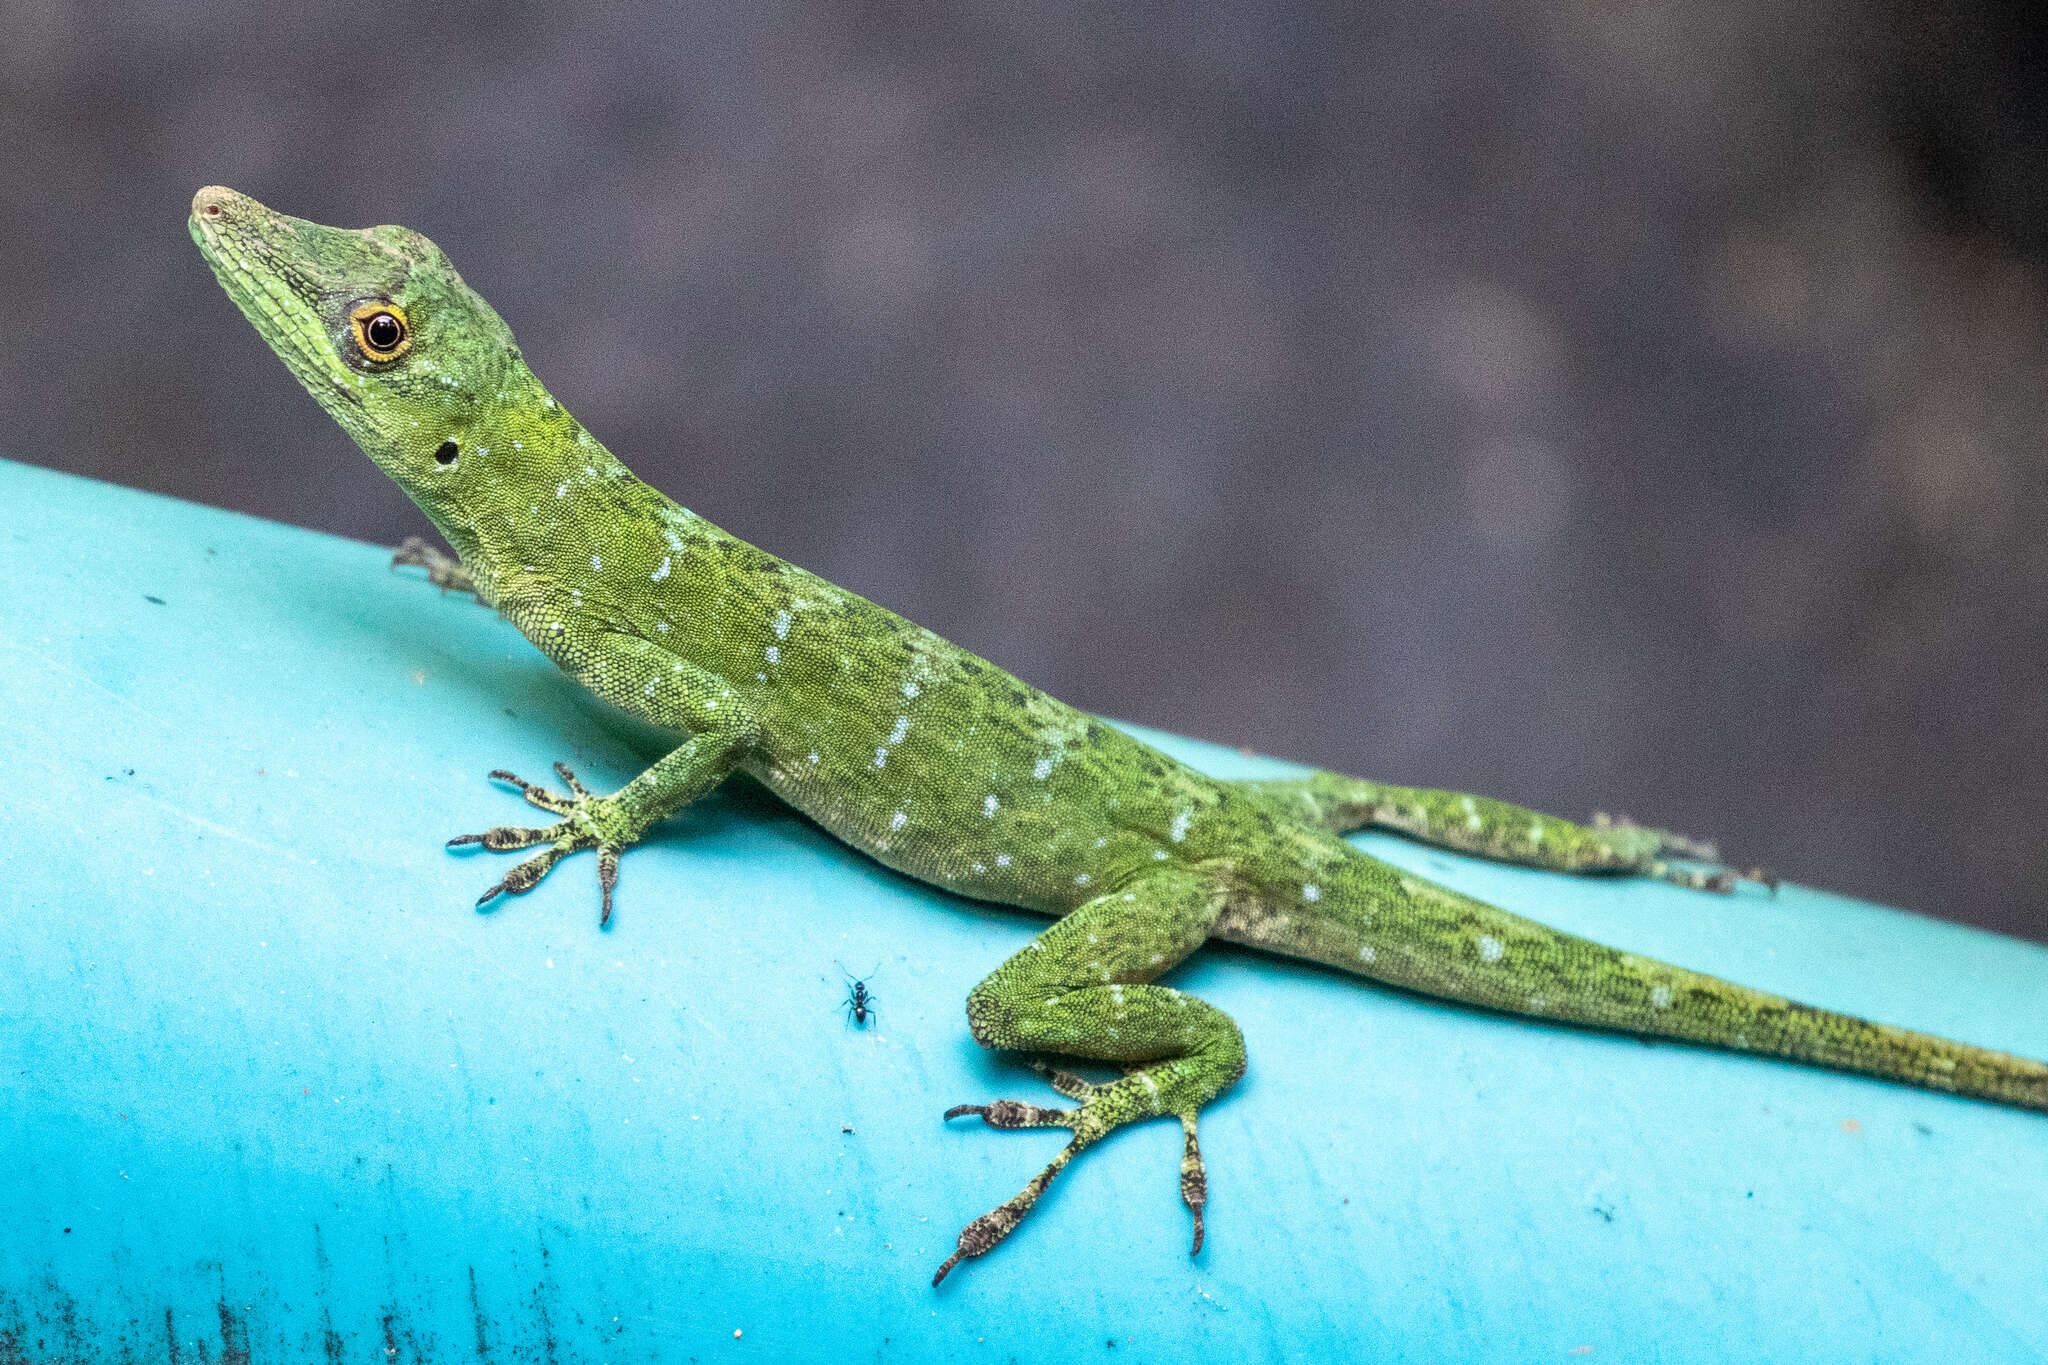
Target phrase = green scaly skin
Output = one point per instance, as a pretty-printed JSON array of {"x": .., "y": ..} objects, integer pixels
[{"x": 941, "y": 764}]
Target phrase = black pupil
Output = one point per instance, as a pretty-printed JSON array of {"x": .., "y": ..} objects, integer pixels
[
  {"x": 382, "y": 331},
  {"x": 446, "y": 453}
]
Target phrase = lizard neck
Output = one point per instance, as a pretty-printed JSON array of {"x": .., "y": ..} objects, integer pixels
[{"x": 546, "y": 496}]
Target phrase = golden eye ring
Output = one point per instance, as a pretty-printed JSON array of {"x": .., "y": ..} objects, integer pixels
[{"x": 380, "y": 330}]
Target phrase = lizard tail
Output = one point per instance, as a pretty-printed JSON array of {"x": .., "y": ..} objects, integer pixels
[{"x": 1381, "y": 924}]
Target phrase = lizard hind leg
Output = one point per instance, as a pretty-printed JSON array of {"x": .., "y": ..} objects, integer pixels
[
  {"x": 1083, "y": 989},
  {"x": 1499, "y": 829}
]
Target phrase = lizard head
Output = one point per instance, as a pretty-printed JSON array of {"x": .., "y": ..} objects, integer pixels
[{"x": 378, "y": 327}]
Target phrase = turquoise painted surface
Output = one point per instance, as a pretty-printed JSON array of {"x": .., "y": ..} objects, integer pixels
[{"x": 270, "y": 1089}]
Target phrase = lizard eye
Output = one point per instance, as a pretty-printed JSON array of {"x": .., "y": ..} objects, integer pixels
[{"x": 380, "y": 330}]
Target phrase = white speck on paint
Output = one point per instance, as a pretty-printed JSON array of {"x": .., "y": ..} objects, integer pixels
[
  {"x": 988, "y": 807},
  {"x": 1490, "y": 948},
  {"x": 661, "y": 572},
  {"x": 1311, "y": 892},
  {"x": 1180, "y": 825}
]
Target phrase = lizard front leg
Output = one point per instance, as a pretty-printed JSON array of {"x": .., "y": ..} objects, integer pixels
[
  {"x": 1082, "y": 989},
  {"x": 671, "y": 692},
  {"x": 444, "y": 570},
  {"x": 1500, "y": 829}
]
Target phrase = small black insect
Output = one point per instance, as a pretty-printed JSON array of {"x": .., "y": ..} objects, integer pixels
[{"x": 860, "y": 1002}]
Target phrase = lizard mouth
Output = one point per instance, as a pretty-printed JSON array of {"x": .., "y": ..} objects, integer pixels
[{"x": 269, "y": 265}]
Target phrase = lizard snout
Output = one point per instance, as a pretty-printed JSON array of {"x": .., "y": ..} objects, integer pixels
[{"x": 212, "y": 201}]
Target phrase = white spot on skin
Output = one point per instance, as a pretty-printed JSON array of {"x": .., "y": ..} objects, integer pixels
[
  {"x": 561, "y": 489},
  {"x": 1472, "y": 820},
  {"x": 1158, "y": 958},
  {"x": 782, "y": 625},
  {"x": 773, "y": 654},
  {"x": 1490, "y": 948},
  {"x": 661, "y": 572},
  {"x": 1365, "y": 953},
  {"x": 1158, "y": 855},
  {"x": 1311, "y": 892},
  {"x": 1180, "y": 825},
  {"x": 650, "y": 689},
  {"x": 1083, "y": 879},
  {"x": 814, "y": 758},
  {"x": 978, "y": 867},
  {"x": 1002, "y": 860},
  {"x": 881, "y": 757},
  {"x": 910, "y": 689},
  {"x": 988, "y": 807},
  {"x": 901, "y": 729},
  {"x": 597, "y": 563},
  {"x": 898, "y": 820},
  {"x": 661, "y": 626},
  {"x": 1042, "y": 769},
  {"x": 1660, "y": 997},
  {"x": 1535, "y": 834}
]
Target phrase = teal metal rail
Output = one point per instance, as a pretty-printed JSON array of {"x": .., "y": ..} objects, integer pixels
[{"x": 270, "y": 1090}]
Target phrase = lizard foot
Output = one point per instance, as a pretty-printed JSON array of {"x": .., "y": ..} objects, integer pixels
[
  {"x": 1651, "y": 845},
  {"x": 444, "y": 571},
  {"x": 1102, "y": 1108},
  {"x": 588, "y": 821}
]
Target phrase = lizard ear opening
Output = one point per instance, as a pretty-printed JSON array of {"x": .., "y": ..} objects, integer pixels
[{"x": 445, "y": 454}]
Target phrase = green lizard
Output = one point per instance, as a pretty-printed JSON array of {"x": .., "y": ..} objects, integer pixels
[{"x": 942, "y": 765}]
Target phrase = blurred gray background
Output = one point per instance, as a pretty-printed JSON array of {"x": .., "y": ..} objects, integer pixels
[{"x": 1635, "y": 406}]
